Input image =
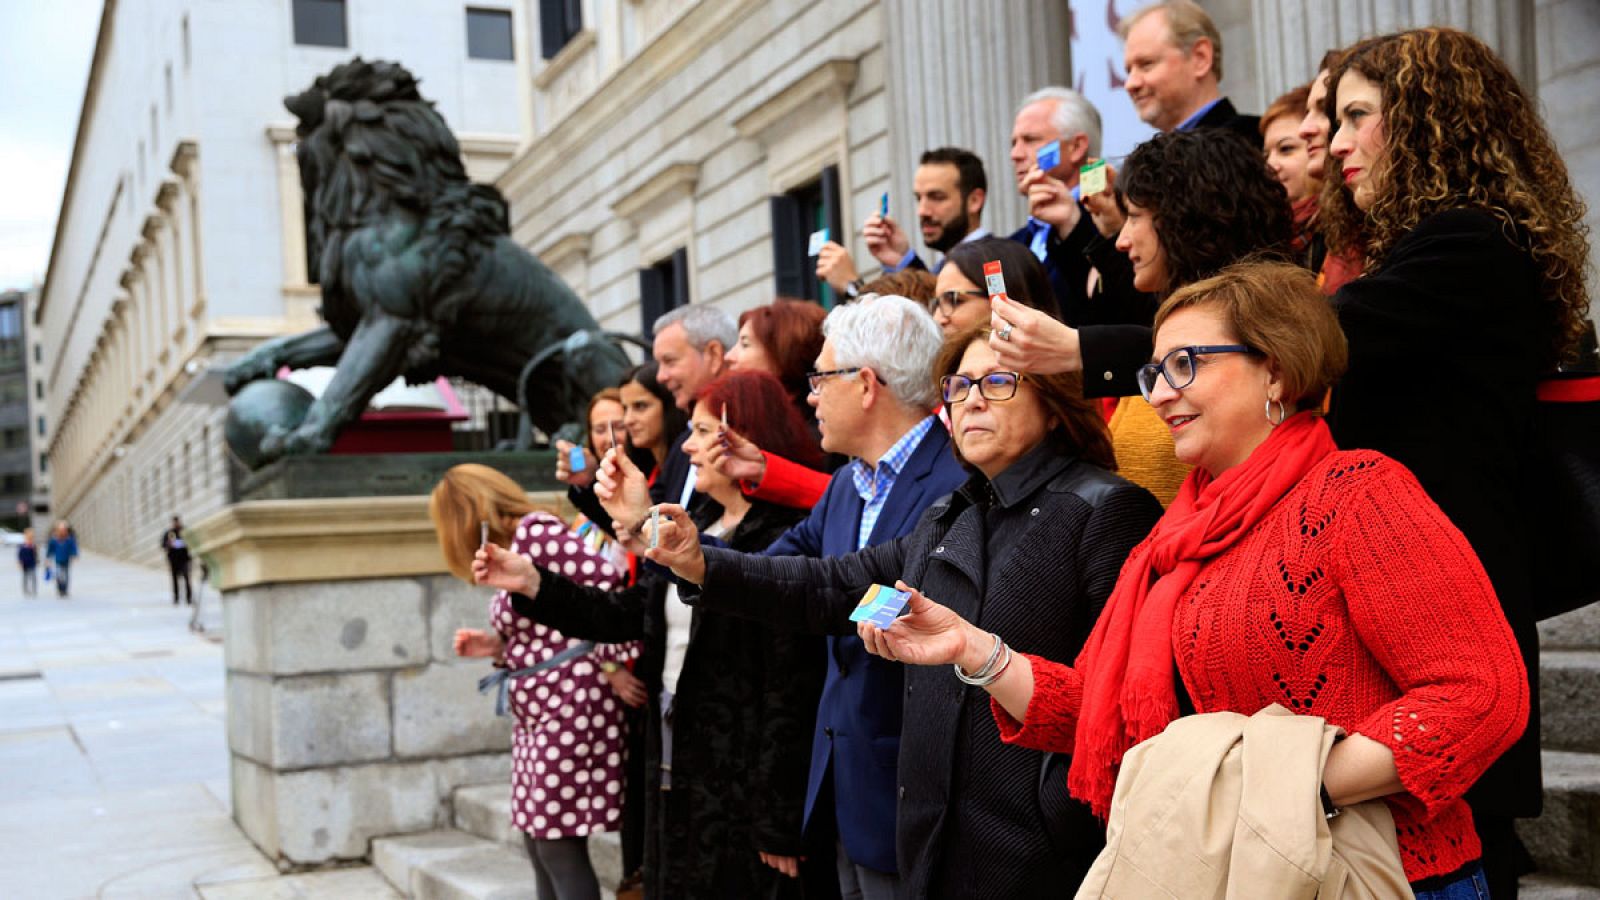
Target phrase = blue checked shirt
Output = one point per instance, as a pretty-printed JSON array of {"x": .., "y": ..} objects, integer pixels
[{"x": 875, "y": 483}]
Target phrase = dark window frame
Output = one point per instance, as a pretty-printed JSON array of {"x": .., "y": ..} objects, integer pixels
[
  {"x": 312, "y": 26},
  {"x": 663, "y": 287},
  {"x": 489, "y": 47},
  {"x": 559, "y": 22},
  {"x": 796, "y": 214}
]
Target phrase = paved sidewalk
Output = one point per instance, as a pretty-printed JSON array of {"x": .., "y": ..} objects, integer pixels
[{"x": 113, "y": 746}]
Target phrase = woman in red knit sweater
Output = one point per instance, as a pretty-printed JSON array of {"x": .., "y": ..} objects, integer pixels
[{"x": 1287, "y": 571}]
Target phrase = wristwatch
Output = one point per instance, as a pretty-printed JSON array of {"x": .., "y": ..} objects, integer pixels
[{"x": 853, "y": 289}]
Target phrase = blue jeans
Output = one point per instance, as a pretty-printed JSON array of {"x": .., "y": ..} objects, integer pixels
[{"x": 1470, "y": 886}]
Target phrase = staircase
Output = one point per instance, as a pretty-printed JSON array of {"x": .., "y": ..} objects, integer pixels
[
  {"x": 482, "y": 857},
  {"x": 1565, "y": 841}
]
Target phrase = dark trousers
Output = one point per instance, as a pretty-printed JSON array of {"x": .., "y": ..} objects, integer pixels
[
  {"x": 1505, "y": 858},
  {"x": 180, "y": 570}
]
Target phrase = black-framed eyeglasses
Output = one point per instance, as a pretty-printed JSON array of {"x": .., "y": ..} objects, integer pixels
[
  {"x": 947, "y": 301},
  {"x": 994, "y": 387},
  {"x": 1179, "y": 366},
  {"x": 815, "y": 379}
]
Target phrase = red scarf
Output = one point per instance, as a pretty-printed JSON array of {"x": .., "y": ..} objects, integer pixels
[{"x": 1127, "y": 664}]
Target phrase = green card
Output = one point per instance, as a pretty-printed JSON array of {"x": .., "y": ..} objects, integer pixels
[{"x": 1092, "y": 178}]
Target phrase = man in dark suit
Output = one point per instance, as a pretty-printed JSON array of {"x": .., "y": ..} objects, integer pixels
[
  {"x": 874, "y": 398},
  {"x": 1173, "y": 54}
]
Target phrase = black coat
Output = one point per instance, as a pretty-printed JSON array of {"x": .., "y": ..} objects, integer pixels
[
  {"x": 1031, "y": 557},
  {"x": 1447, "y": 341},
  {"x": 742, "y": 720},
  {"x": 1223, "y": 115}
]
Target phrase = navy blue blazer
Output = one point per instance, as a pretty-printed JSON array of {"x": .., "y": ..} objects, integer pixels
[{"x": 858, "y": 719}]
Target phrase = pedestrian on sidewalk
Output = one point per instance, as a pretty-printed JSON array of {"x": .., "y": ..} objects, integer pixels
[
  {"x": 28, "y": 561},
  {"x": 61, "y": 551},
  {"x": 177, "y": 550}
]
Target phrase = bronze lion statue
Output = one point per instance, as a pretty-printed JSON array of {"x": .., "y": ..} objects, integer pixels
[{"x": 419, "y": 275}]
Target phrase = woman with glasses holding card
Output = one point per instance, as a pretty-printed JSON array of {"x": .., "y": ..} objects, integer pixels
[
  {"x": 960, "y": 302},
  {"x": 1476, "y": 252},
  {"x": 1286, "y": 572},
  {"x": 733, "y": 701},
  {"x": 1029, "y": 546}
]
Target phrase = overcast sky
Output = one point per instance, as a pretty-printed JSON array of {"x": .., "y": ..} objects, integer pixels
[{"x": 45, "y": 46}]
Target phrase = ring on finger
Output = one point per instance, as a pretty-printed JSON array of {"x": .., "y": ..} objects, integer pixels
[{"x": 1004, "y": 334}]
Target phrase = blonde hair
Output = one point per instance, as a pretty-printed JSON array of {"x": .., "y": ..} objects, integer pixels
[
  {"x": 467, "y": 496},
  {"x": 1187, "y": 23}
]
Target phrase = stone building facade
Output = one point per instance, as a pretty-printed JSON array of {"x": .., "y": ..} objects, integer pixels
[
  {"x": 666, "y": 134},
  {"x": 181, "y": 238},
  {"x": 654, "y": 152}
]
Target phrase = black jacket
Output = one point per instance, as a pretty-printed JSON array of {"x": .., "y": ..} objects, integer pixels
[
  {"x": 1447, "y": 341},
  {"x": 1032, "y": 557},
  {"x": 742, "y": 720},
  {"x": 1223, "y": 115}
]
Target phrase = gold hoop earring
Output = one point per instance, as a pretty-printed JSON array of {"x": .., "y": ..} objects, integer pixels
[{"x": 1283, "y": 413}]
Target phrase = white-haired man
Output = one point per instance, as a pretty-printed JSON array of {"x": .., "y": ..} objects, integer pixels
[
  {"x": 874, "y": 393},
  {"x": 1059, "y": 231}
]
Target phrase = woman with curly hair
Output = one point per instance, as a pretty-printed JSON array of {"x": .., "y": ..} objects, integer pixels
[
  {"x": 1188, "y": 204},
  {"x": 1476, "y": 254},
  {"x": 1192, "y": 203}
]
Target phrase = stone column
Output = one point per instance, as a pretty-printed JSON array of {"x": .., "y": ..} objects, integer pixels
[
  {"x": 349, "y": 717},
  {"x": 1292, "y": 35},
  {"x": 956, "y": 71}
]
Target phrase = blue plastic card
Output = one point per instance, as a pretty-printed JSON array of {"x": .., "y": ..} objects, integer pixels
[
  {"x": 575, "y": 460},
  {"x": 883, "y": 205},
  {"x": 880, "y": 605},
  {"x": 818, "y": 238},
  {"x": 1049, "y": 156}
]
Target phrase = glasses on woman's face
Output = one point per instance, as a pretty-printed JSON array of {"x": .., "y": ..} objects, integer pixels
[
  {"x": 947, "y": 301},
  {"x": 1179, "y": 366},
  {"x": 994, "y": 387}
]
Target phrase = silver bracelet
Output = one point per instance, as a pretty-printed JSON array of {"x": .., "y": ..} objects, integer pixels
[
  {"x": 991, "y": 677},
  {"x": 988, "y": 672}
]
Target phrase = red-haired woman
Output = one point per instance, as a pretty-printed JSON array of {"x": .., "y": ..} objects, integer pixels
[
  {"x": 782, "y": 339},
  {"x": 734, "y": 700}
]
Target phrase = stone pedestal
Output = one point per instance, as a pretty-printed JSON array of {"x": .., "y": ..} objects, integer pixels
[{"x": 349, "y": 717}]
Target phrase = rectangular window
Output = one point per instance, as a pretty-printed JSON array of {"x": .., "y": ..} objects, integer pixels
[
  {"x": 38, "y": 353},
  {"x": 320, "y": 23},
  {"x": 796, "y": 215},
  {"x": 559, "y": 22},
  {"x": 10, "y": 322},
  {"x": 44, "y": 463},
  {"x": 41, "y": 426},
  {"x": 489, "y": 34},
  {"x": 38, "y": 390},
  {"x": 663, "y": 287}
]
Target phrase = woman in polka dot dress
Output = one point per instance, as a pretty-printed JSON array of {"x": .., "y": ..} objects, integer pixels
[{"x": 569, "y": 743}]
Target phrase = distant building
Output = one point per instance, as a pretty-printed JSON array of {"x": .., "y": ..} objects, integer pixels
[
  {"x": 181, "y": 235},
  {"x": 16, "y": 445}
]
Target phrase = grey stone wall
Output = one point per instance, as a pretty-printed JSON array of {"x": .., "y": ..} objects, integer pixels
[
  {"x": 349, "y": 717},
  {"x": 1569, "y": 92}
]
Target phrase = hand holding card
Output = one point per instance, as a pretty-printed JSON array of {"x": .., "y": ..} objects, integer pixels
[
  {"x": 818, "y": 238},
  {"x": 1092, "y": 178},
  {"x": 880, "y": 605},
  {"x": 1049, "y": 156}
]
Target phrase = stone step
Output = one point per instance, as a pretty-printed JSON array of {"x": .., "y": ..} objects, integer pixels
[
  {"x": 1547, "y": 887},
  {"x": 1565, "y": 841},
  {"x": 484, "y": 811},
  {"x": 1569, "y": 700},
  {"x": 403, "y": 857},
  {"x": 491, "y": 873},
  {"x": 1577, "y": 630}
]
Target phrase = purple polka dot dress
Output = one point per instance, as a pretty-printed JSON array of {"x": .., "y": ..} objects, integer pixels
[{"x": 569, "y": 741}]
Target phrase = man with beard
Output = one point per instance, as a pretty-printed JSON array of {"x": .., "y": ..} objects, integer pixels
[{"x": 950, "y": 186}]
